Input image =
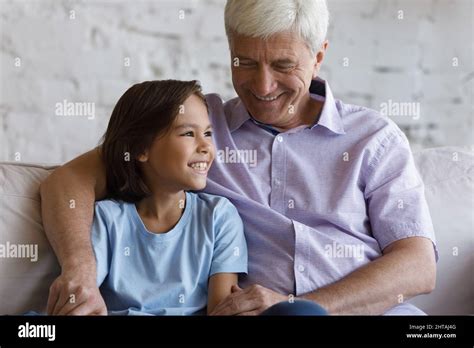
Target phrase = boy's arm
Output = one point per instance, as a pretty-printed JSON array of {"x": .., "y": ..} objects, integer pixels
[
  {"x": 220, "y": 285},
  {"x": 67, "y": 205},
  {"x": 230, "y": 254}
]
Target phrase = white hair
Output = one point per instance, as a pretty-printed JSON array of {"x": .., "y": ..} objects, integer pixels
[{"x": 264, "y": 18}]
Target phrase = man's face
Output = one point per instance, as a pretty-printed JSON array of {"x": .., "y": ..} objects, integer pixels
[{"x": 272, "y": 77}]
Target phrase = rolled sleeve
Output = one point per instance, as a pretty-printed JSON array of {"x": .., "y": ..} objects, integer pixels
[{"x": 394, "y": 191}]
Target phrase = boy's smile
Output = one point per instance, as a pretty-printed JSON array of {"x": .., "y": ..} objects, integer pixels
[{"x": 200, "y": 167}]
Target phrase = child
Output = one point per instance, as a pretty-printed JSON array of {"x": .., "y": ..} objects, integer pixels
[{"x": 160, "y": 249}]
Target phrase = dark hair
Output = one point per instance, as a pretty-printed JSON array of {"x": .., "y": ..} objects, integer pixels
[{"x": 146, "y": 110}]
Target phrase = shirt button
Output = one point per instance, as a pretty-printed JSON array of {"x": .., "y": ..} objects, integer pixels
[
  {"x": 301, "y": 268},
  {"x": 277, "y": 182},
  {"x": 280, "y": 138}
]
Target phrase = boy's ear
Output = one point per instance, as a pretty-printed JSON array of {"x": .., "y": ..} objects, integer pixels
[{"x": 143, "y": 157}]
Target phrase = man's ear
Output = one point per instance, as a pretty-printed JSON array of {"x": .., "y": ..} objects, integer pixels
[{"x": 320, "y": 58}]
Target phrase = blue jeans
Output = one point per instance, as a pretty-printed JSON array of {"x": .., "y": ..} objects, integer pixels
[
  {"x": 32, "y": 313},
  {"x": 297, "y": 307}
]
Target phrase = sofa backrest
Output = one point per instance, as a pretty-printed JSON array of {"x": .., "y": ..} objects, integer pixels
[{"x": 447, "y": 173}]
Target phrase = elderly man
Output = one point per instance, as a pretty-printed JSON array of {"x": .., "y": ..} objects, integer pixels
[{"x": 333, "y": 207}]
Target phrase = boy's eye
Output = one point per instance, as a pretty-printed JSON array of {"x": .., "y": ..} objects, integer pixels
[{"x": 191, "y": 134}]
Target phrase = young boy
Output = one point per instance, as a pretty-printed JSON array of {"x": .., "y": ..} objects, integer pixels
[{"x": 160, "y": 249}]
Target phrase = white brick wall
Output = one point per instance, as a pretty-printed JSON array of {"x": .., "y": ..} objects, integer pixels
[{"x": 82, "y": 60}]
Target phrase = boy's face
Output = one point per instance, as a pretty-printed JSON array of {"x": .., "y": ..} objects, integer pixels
[{"x": 181, "y": 158}]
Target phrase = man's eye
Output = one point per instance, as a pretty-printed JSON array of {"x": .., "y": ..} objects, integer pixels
[
  {"x": 285, "y": 67},
  {"x": 208, "y": 134},
  {"x": 188, "y": 134}
]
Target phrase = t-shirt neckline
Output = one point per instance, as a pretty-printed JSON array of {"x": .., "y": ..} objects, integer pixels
[{"x": 175, "y": 231}]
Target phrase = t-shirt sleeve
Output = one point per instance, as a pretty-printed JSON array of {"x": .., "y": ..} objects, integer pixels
[
  {"x": 100, "y": 242},
  {"x": 230, "y": 247},
  {"x": 395, "y": 193}
]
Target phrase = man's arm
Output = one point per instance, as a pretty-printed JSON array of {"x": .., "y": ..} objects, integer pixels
[
  {"x": 406, "y": 268},
  {"x": 67, "y": 205}
]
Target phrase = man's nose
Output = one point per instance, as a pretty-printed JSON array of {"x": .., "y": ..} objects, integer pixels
[{"x": 264, "y": 82}]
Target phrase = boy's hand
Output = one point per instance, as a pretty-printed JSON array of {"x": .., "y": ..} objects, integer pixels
[
  {"x": 252, "y": 300},
  {"x": 75, "y": 293}
]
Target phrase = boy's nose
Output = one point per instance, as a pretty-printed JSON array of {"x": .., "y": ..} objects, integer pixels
[{"x": 204, "y": 147}]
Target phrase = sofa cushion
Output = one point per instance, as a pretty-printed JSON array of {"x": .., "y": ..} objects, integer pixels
[
  {"x": 24, "y": 277},
  {"x": 448, "y": 175}
]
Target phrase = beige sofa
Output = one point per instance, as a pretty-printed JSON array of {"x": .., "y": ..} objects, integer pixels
[{"x": 447, "y": 172}]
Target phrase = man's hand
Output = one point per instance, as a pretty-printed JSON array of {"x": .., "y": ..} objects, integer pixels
[
  {"x": 249, "y": 301},
  {"x": 75, "y": 293}
]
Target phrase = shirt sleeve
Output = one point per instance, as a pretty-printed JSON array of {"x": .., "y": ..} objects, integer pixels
[
  {"x": 100, "y": 243},
  {"x": 230, "y": 247},
  {"x": 394, "y": 191}
]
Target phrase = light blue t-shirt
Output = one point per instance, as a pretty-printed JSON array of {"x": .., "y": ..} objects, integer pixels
[{"x": 144, "y": 273}]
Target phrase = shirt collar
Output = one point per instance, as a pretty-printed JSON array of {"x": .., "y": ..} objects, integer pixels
[
  {"x": 330, "y": 117},
  {"x": 237, "y": 116}
]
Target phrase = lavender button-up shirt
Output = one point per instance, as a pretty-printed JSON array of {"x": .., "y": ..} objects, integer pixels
[{"x": 317, "y": 202}]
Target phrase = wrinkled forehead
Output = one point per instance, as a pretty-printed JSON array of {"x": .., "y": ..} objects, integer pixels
[{"x": 277, "y": 46}]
